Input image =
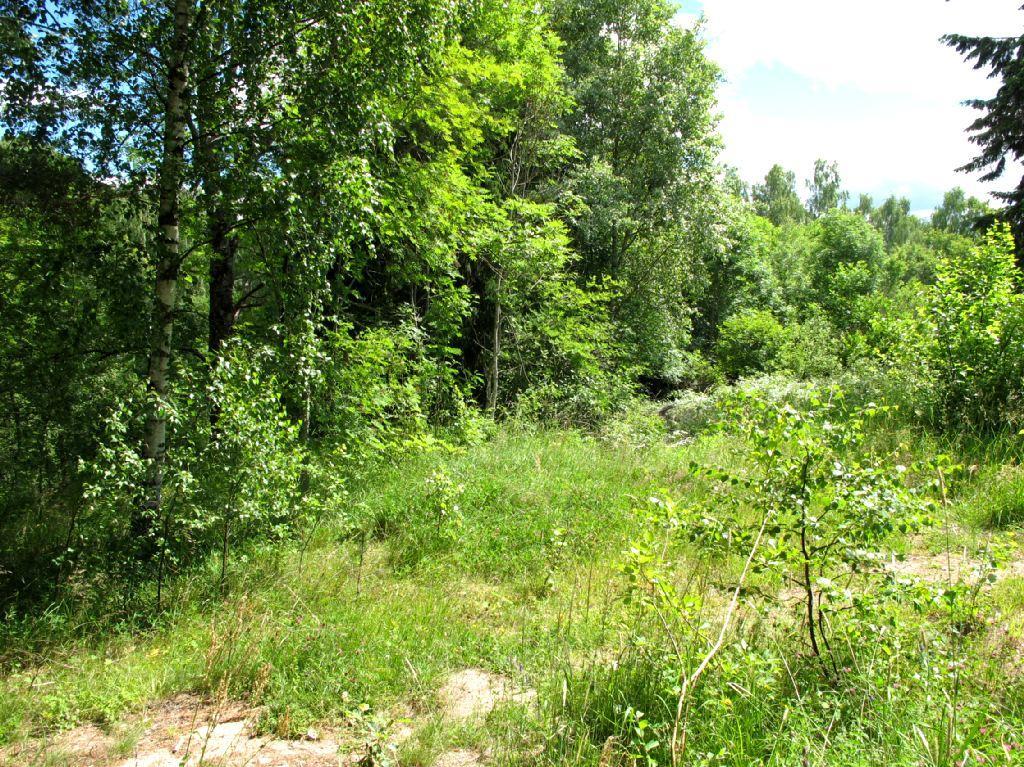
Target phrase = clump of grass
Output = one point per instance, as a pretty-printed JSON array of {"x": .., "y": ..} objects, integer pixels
[
  {"x": 763, "y": 703},
  {"x": 126, "y": 738},
  {"x": 996, "y": 500}
]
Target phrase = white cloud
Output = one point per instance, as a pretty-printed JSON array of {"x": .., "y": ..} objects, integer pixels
[
  {"x": 881, "y": 46},
  {"x": 908, "y": 131}
]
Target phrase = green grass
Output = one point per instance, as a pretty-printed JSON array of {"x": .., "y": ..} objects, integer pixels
[
  {"x": 514, "y": 567},
  {"x": 312, "y": 634},
  {"x": 996, "y": 497}
]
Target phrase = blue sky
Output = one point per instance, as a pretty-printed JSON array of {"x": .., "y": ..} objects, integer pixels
[{"x": 866, "y": 84}]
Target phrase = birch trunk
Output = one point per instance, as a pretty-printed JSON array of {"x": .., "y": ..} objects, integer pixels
[{"x": 168, "y": 265}]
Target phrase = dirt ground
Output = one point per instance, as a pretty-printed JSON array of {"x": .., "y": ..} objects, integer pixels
[{"x": 188, "y": 731}]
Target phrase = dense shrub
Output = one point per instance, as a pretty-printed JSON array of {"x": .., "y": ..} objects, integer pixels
[
  {"x": 694, "y": 371},
  {"x": 639, "y": 426},
  {"x": 375, "y": 387},
  {"x": 691, "y": 412},
  {"x": 846, "y": 258},
  {"x": 235, "y": 475},
  {"x": 976, "y": 348},
  {"x": 564, "y": 362},
  {"x": 810, "y": 349},
  {"x": 749, "y": 343}
]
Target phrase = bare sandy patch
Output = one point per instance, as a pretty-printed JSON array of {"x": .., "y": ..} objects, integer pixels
[
  {"x": 473, "y": 694},
  {"x": 460, "y": 758},
  {"x": 184, "y": 731}
]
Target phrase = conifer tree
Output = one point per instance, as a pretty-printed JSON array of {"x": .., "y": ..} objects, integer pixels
[{"x": 999, "y": 130}]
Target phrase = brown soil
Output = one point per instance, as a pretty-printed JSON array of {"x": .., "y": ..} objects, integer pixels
[
  {"x": 184, "y": 731},
  {"x": 472, "y": 694}
]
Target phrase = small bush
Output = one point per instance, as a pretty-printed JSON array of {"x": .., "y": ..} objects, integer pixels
[
  {"x": 777, "y": 389},
  {"x": 584, "y": 403},
  {"x": 638, "y": 427},
  {"x": 810, "y": 349},
  {"x": 235, "y": 475},
  {"x": 433, "y": 525},
  {"x": 977, "y": 335},
  {"x": 909, "y": 388},
  {"x": 691, "y": 412},
  {"x": 749, "y": 343}
]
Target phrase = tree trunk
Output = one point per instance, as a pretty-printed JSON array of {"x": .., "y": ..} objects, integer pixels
[
  {"x": 222, "y": 279},
  {"x": 219, "y": 203},
  {"x": 168, "y": 266},
  {"x": 492, "y": 378}
]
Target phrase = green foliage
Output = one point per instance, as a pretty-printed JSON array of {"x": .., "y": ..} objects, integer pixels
[
  {"x": 71, "y": 275},
  {"x": 809, "y": 350},
  {"x": 558, "y": 356},
  {"x": 845, "y": 264},
  {"x": 865, "y": 206},
  {"x": 377, "y": 388},
  {"x": 916, "y": 260},
  {"x": 376, "y": 198},
  {"x": 690, "y": 413},
  {"x": 737, "y": 277},
  {"x": 996, "y": 131},
  {"x": 695, "y": 371},
  {"x": 643, "y": 111},
  {"x": 815, "y": 510},
  {"x": 960, "y": 214},
  {"x": 232, "y": 480},
  {"x": 335, "y": 629},
  {"x": 492, "y": 512},
  {"x": 777, "y": 199},
  {"x": 434, "y": 526},
  {"x": 253, "y": 342},
  {"x": 825, "y": 509},
  {"x": 996, "y": 499},
  {"x": 976, "y": 313},
  {"x": 749, "y": 343},
  {"x": 825, "y": 189},
  {"x": 892, "y": 218}
]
